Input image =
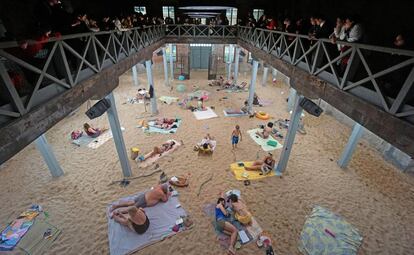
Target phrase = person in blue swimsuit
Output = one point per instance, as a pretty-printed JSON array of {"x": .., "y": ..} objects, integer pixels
[
  {"x": 224, "y": 226},
  {"x": 235, "y": 135}
]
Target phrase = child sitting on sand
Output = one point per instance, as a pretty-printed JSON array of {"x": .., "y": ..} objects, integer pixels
[{"x": 235, "y": 135}]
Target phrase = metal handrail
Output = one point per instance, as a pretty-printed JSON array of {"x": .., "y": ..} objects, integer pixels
[{"x": 294, "y": 49}]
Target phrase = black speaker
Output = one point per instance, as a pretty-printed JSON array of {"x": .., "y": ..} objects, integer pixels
[
  {"x": 98, "y": 109},
  {"x": 310, "y": 107},
  {"x": 151, "y": 91}
]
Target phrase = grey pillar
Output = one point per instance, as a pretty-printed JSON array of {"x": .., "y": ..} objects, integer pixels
[
  {"x": 228, "y": 70},
  {"x": 265, "y": 71},
  {"x": 291, "y": 99},
  {"x": 274, "y": 73},
  {"x": 164, "y": 58},
  {"x": 135, "y": 75},
  {"x": 357, "y": 132},
  {"x": 117, "y": 135},
  {"x": 171, "y": 62},
  {"x": 290, "y": 136},
  {"x": 253, "y": 84},
  {"x": 148, "y": 67},
  {"x": 236, "y": 65},
  {"x": 48, "y": 156}
]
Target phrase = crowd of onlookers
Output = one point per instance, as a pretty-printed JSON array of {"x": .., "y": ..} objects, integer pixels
[{"x": 52, "y": 20}]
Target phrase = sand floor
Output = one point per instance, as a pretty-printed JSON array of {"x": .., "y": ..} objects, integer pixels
[{"x": 371, "y": 194}]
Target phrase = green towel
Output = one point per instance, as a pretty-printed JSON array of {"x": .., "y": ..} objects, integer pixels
[
  {"x": 272, "y": 143},
  {"x": 264, "y": 142}
]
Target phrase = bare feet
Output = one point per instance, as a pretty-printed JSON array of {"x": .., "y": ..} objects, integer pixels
[{"x": 231, "y": 251}]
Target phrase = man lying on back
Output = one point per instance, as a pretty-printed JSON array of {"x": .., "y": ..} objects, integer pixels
[{"x": 147, "y": 199}]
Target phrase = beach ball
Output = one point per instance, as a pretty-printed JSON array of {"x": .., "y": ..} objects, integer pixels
[
  {"x": 181, "y": 88},
  {"x": 181, "y": 77}
]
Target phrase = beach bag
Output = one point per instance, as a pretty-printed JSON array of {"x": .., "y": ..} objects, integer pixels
[
  {"x": 266, "y": 169},
  {"x": 272, "y": 143},
  {"x": 76, "y": 134}
]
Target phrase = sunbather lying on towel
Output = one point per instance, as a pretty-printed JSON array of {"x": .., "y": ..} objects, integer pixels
[
  {"x": 240, "y": 209},
  {"x": 135, "y": 219},
  {"x": 264, "y": 166},
  {"x": 267, "y": 130},
  {"x": 224, "y": 226},
  {"x": 147, "y": 199},
  {"x": 165, "y": 123},
  {"x": 93, "y": 132},
  {"x": 160, "y": 150}
]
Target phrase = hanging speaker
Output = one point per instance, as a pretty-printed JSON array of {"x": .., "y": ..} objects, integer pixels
[
  {"x": 98, "y": 109},
  {"x": 151, "y": 91},
  {"x": 310, "y": 107}
]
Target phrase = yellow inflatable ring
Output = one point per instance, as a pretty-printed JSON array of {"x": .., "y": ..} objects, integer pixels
[{"x": 262, "y": 115}]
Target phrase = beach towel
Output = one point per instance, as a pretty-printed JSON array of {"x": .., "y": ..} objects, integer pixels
[
  {"x": 168, "y": 100},
  {"x": 152, "y": 160},
  {"x": 162, "y": 218},
  {"x": 14, "y": 232},
  {"x": 265, "y": 102},
  {"x": 263, "y": 142},
  {"x": 203, "y": 115},
  {"x": 234, "y": 113},
  {"x": 241, "y": 174},
  {"x": 327, "y": 233},
  {"x": 94, "y": 143},
  {"x": 153, "y": 129},
  {"x": 35, "y": 242}
]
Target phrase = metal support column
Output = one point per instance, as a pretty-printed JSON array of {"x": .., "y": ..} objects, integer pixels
[
  {"x": 48, "y": 156},
  {"x": 117, "y": 135},
  {"x": 274, "y": 73},
  {"x": 236, "y": 65},
  {"x": 265, "y": 71},
  {"x": 135, "y": 75},
  {"x": 171, "y": 62},
  {"x": 290, "y": 136},
  {"x": 164, "y": 58},
  {"x": 148, "y": 67},
  {"x": 228, "y": 64},
  {"x": 253, "y": 84},
  {"x": 357, "y": 132},
  {"x": 291, "y": 99}
]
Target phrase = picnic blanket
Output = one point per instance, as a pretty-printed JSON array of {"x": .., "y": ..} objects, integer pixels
[
  {"x": 94, "y": 143},
  {"x": 263, "y": 142},
  {"x": 152, "y": 160},
  {"x": 327, "y": 233},
  {"x": 241, "y": 174},
  {"x": 234, "y": 113},
  {"x": 162, "y": 218},
  {"x": 169, "y": 100},
  {"x": 35, "y": 242},
  {"x": 14, "y": 232},
  {"x": 152, "y": 129},
  {"x": 203, "y": 115}
]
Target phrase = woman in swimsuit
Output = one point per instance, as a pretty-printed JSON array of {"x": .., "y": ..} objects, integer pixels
[
  {"x": 164, "y": 147},
  {"x": 135, "y": 219},
  {"x": 224, "y": 226},
  {"x": 92, "y": 132},
  {"x": 265, "y": 166}
]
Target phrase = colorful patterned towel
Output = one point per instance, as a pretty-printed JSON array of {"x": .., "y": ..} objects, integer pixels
[
  {"x": 14, "y": 232},
  {"x": 327, "y": 233}
]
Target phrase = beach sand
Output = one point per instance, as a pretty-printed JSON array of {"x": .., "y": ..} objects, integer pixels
[{"x": 371, "y": 194}]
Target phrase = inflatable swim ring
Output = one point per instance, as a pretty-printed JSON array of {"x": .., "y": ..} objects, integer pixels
[{"x": 262, "y": 115}]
